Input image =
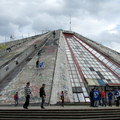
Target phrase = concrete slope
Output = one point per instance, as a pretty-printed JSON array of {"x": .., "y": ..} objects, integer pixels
[{"x": 35, "y": 76}]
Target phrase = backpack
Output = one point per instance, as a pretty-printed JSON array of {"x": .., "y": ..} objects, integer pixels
[{"x": 15, "y": 97}]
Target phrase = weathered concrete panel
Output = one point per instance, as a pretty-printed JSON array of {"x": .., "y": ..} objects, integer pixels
[
  {"x": 61, "y": 80},
  {"x": 36, "y": 76},
  {"x": 22, "y": 56}
]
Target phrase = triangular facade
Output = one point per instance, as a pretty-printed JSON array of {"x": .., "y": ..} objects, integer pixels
[{"x": 72, "y": 63}]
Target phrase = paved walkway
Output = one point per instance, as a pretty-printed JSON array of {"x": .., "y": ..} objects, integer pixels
[{"x": 57, "y": 107}]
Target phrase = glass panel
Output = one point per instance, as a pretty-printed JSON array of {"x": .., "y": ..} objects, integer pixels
[
  {"x": 71, "y": 80},
  {"x": 73, "y": 85},
  {"x": 118, "y": 71},
  {"x": 109, "y": 64},
  {"x": 90, "y": 49},
  {"x": 77, "y": 84},
  {"x": 69, "y": 58},
  {"x": 87, "y": 99},
  {"x": 72, "y": 68},
  {"x": 80, "y": 79},
  {"x": 74, "y": 76},
  {"x": 113, "y": 77},
  {"x": 83, "y": 44},
  {"x": 76, "y": 80},
  {"x": 74, "y": 72},
  {"x": 83, "y": 88},
  {"x": 70, "y": 61},
  {"x": 94, "y": 52},
  {"x": 114, "y": 67},
  {"x": 75, "y": 97},
  {"x": 79, "y": 89},
  {"x": 105, "y": 61},
  {"x": 81, "y": 97},
  {"x": 97, "y": 55},
  {"x": 101, "y": 58},
  {"x": 86, "y": 94},
  {"x": 87, "y": 46},
  {"x": 70, "y": 76}
]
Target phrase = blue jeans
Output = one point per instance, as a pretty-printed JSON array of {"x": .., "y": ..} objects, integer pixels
[
  {"x": 96, "y": 103},
  {"x": 16, "y": 102}
]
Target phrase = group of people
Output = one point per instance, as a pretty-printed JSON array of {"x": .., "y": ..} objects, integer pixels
[
  {"x": 27, "y": 91},
  {"x": 39, "y": 64},
  {"x": 100, "y": 98},
  {"x": 42, "y": 94},
  {"x": 97, "y": 97}
]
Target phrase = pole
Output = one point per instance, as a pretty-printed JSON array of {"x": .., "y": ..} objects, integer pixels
[{"x": 70, "y": 22}]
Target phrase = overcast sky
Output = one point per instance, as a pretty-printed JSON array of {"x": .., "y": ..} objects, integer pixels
[{"x": 98, "y": 20}]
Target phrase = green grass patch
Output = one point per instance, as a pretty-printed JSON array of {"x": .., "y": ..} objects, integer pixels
[{"x": 3, "y": 46}]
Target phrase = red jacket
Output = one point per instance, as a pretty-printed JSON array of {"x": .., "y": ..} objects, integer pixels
[
  {"x": 102, "y": 94},
  {"x": 15, "y": 97}
]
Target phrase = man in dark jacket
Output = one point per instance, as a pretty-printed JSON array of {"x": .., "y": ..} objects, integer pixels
[
  {"x": 91, "y": 98},
  {"x": 42, "y": 95},
  {"x": 37, "y": 63}
]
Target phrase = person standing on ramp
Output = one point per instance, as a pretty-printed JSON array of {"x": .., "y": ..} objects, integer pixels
[{"x": 42, "y": 95}]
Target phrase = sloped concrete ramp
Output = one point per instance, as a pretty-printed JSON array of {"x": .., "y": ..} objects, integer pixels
[{"x": 35, "y": 76}]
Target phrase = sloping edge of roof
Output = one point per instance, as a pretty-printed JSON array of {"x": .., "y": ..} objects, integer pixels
[{"x": 113, "y": 84}]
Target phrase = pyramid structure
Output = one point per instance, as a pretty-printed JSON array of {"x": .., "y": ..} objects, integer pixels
[{"x": 72, "y": 63}]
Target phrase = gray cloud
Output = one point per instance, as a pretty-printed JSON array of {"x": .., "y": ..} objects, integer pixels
[
  {"x": 108, "y": 39},
  {"x": 91, "y": 18}
]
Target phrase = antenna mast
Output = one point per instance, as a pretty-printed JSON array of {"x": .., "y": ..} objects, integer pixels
[{"x": 70, "y": 22}]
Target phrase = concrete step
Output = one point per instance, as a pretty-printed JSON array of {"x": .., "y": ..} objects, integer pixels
[
  {"x": 54, "y": 114},
  {"x": 60, "y": 117},
  {"x": 63, "y": 119},
  {"x": 58, "y": 110}
]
